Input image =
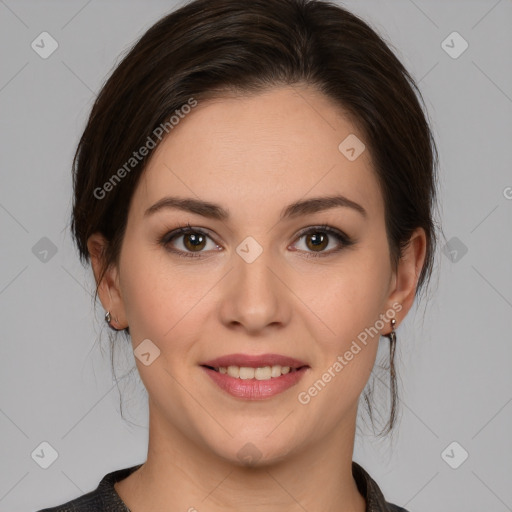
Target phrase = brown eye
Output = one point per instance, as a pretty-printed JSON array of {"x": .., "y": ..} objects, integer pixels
[
  {"x": 318, "y": 238},
  {"x": 194, "y": 241},
  {"x": 317, "y": 241},
  {"x": 187, "y": 242}
]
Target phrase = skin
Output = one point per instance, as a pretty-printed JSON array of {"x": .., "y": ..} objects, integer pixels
[{"x": 254, "y": 155}]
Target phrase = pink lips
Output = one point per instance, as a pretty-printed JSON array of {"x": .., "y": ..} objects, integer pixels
[{"x": 254, "y": 389}]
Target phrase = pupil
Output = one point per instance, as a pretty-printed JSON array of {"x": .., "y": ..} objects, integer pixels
[
  {"x": 194, "y": 240},
  {"x": 318, "y": 239}
]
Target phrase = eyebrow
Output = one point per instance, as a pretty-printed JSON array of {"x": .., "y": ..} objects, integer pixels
[{"x": 217, "y": 212}]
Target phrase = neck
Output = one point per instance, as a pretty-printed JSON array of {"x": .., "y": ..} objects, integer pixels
[{"x": 180, "y": 474}]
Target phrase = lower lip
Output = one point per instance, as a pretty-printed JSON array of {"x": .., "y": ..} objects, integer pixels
[{"x": 254, "y": 389}]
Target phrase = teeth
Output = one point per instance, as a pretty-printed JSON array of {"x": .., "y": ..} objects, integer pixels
[{"x": 262, "y": 373}]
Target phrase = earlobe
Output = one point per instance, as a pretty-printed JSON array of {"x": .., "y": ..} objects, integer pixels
[
  {"x": 109, "y": 290},
  {"x": 408, "y": 271}
]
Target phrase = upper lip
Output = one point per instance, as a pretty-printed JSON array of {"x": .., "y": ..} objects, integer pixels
[{"x": 254, "y": 361}]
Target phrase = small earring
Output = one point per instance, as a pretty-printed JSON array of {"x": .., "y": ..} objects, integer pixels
[
  {"x": 392, "y": 334},
  {"x": 108, "y": 319}
]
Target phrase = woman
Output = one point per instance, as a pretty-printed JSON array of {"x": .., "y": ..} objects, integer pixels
[{"x": 254, "y": 190}]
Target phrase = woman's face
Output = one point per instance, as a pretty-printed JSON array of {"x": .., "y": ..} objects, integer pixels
[{"x": 254, "y": 282}]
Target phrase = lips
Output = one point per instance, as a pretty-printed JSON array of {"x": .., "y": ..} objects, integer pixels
[{"x": 254, "y": 361}]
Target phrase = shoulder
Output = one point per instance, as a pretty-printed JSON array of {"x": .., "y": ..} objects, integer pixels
[
  {"x": 104, "y": 498},
  {"x": 86, "y": 503},
  {"x": 395, "y": 508},
  {"x": 371, "y": 492}
]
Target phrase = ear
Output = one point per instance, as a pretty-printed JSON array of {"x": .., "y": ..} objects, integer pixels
[
  {"x": 407, "y": 274},
  {"x": 109, "y": 290}
]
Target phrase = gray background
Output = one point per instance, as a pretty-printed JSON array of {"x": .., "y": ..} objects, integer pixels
[{"x": 454, "y": 361}]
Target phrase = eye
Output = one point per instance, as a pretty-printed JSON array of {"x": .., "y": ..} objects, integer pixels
[
  {"x": 318, "y": 238},
  {"x": 193, "y": 241}
]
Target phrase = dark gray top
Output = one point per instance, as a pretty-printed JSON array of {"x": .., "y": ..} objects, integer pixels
[{"x": 105, "y": 498}]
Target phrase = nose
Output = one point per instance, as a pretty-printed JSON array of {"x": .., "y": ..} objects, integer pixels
[{"x": 254, "y": 295}]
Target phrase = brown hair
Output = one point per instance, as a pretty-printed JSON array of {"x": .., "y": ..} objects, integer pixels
[{"x": 209, "y": 47}]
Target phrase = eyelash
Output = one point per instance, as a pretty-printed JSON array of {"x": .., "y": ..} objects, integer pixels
[{"x": 341, "y": 237}]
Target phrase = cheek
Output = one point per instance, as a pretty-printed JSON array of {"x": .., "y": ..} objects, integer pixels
[
  {"x": 349, "y": 306},
  {"x": 154, "y": 298},
  {"x": 349, "y": 296},
  {"x": 158, "y": 305},
  {"x": 164, "y": 303},
  {"x": 349, "y": 299}
]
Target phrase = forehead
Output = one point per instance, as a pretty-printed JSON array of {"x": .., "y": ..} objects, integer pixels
[{"x": 269, "y": 149}]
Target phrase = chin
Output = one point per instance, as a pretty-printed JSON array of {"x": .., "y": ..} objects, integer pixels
[{"x": 254, "y": 451}]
